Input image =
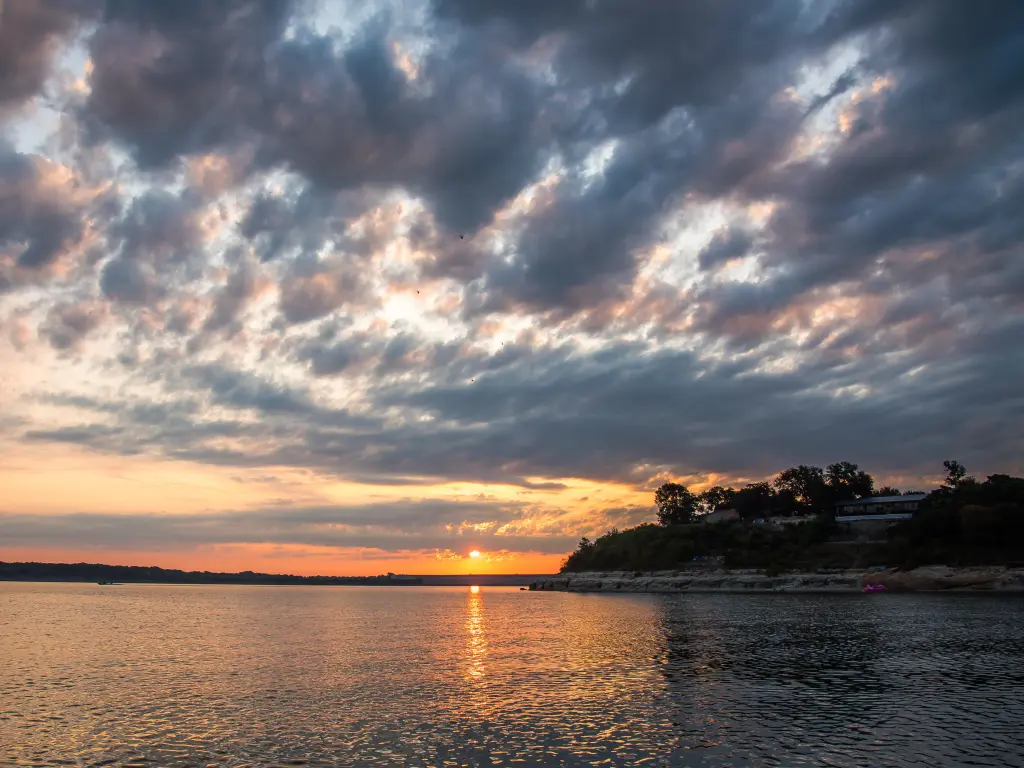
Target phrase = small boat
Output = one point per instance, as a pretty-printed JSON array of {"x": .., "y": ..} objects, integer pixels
[
  {"x": 107, "y": 583},
  {"x": 875, "y": 588}
]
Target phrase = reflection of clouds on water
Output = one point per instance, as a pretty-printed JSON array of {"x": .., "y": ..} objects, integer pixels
[{"x": 476, "y": 641}]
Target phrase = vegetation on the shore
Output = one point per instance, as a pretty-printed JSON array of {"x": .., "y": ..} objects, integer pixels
[
  {"x": 802, "y": 490},
  {"x": 964, "y": 522},
  {"x": 153, "y": 575}
]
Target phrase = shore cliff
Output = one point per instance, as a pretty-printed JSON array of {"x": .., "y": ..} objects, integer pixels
[{"x": 925, "y": 579}]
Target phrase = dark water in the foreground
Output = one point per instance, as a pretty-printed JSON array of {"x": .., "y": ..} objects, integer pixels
[{"x": 226, "y": 676}]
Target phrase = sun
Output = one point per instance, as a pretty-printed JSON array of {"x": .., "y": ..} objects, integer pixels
[{"x": 474, "y": 554}]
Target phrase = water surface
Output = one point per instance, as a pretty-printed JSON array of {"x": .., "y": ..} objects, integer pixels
[{"x": 434, "y": 676}]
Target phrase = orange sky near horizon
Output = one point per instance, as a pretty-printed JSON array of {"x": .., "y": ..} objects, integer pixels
[
  {"x": 55, "y": 481},
  {"x": 299, "y": 563}
]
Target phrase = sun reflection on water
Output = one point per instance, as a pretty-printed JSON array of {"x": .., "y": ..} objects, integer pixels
[{"x": 476, "y": 640}]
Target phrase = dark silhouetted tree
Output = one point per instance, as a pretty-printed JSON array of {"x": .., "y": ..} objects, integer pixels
[
  {"x": 676, "y": 504},
  {"x": 715, "y": 497},
  {"x": 754, "y": 500},
  {"x": 806, "y": 484},
  {"x": 888, "y": 490},
  {"x": 956, "y": 474},
  {"x": 847, "y": 481}
]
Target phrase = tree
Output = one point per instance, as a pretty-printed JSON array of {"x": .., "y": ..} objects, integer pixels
[
  {"x": 847, "y": 481},
  {"x": 715, "y": 497},
  {"x": 754, "y": 500},
  {"x": 807, "y": 484},
  {"x": 956, "y": 474},
  {"x": 888, "y": 490},
  {"x": 676, "y": 504}
]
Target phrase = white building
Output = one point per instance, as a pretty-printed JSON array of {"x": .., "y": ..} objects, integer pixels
[{"x": 720, "y": 516}]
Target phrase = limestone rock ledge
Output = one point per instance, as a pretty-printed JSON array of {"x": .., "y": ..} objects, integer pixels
[{"x": 925, "y": 579}]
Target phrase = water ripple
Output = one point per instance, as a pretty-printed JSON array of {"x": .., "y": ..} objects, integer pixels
[{"x": 252, "y": 677}]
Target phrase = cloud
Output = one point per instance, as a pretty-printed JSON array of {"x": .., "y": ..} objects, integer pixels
[
  {"x": 173, "y": 81},
  {"x": 41, "y": 215},
  {"x": 31, "y": 34},
  {"x": 422, "y": 526},
  {"x": 129, "y": 282},
  {"x": 68, "y": 324},
  {"x": 725, "y": 245},
  {"x": 310, "y": 297},
  {"x": 242, "y": 286},
  {"x": 159, "y": 227},
  {"x": 602, "y": 417},
  {"x": 523, "y": 243}
]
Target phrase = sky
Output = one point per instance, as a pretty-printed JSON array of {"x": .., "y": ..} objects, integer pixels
[{"x": 356, "y": 287}]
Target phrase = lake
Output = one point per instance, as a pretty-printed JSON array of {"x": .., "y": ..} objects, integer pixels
[{"x": 444, "y": 676}]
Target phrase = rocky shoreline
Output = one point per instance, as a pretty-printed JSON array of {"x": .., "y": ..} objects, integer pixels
[{"x": 925, "y": 579}]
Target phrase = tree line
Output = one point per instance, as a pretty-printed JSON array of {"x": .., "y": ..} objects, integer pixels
[
  {"x": 800, "y": 490},
  {"x": 154, "y": 575},
  {"x": 963, "y": 522}
]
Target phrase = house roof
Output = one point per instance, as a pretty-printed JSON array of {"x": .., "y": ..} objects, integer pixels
[{"x": 882, "y": 500}]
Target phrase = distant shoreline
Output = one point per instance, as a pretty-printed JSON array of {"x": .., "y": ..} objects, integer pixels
[{"x": 86, "y": 573}]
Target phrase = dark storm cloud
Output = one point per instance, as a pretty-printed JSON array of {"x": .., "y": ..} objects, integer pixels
[
  {"x": 600, "y": 416},
  {"x": 205, "y": 77},
  {"x": 241, "y": 287},
  {"x": 625, "y": 414},
  {"x": 247, "y": 391},
  {"x": 171, "y": 79},
  {"x": 129, "y": 282},
  {"x": 156, "y": 236},
  {"x": 673, "y": 53},
  {"x": 31, "y": 32},
  {"x": 925, "y": 165},
  {"x": 653, "y": 77},
  {"x": 158, "y": 226},
  {"x": 947, "y": 123},
  {"x": 909, "y": 214},
  {"x": 269, "y": 223},
  {"x": 726, "y": 245},
  {"x": 686, "y": 89},
  {"x": 40, "y": 220},
  {"x": 306, "y": 298},
  {"x": 301, "y": 220},
  {"x": 354, "y": 120},
  {"x": 329, "y": 359},
  {"x": 67, "y": 324},
  {"x": 238, "y": 390},
  {"x": 406, "y": 352}
]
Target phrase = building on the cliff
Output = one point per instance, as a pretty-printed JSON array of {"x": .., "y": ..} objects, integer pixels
[
  {"x": 869, "y": 519},
  {"x": 720, "y": 516},
  {"x": 878, "y": 508}
]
